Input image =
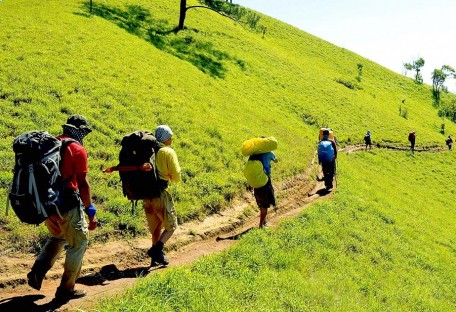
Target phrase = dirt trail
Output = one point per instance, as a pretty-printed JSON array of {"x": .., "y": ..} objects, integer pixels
[{"x": 113, "y": 266}]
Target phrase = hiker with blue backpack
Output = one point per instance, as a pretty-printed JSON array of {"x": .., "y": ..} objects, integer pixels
[
  {"x": 67, "y": 225},
  {"x": 327, "y": 155}
]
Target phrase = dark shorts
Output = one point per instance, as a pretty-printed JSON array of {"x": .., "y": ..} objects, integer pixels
[{"x": 265, "y": 195}]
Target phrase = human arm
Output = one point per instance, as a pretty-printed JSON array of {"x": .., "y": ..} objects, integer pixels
[
  {"x": 275, "y": 159},
  {"x": 168, "y": 165},
  {"x": 86, "y": 198},
  {"x": 174, "y": 167},
  {"x": 335, "y": 149}
]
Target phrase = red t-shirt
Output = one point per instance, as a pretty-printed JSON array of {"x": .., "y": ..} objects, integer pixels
[{"x": 74, "y": 161}]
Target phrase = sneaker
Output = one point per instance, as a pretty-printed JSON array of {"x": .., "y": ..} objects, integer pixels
[
  {"x": 34, "y": 280},
  {"x": 66, "y": 295}
]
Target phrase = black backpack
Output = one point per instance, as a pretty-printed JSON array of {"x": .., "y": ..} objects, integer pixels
[
  {"x": 136, "y": 167},
  {"x": 37, "y": 190}
]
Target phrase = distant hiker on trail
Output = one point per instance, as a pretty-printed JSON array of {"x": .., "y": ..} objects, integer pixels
[
  {"x": 368, "y": 139},
  {"x": 449, "y": 143},
  {"x": 160, "y": 212},
  {"x": 69, "y": 228},
  {"x": 412, "y": 138},
  {"x": 327, "y": 154},
  {"x": 264, "y": 195}
]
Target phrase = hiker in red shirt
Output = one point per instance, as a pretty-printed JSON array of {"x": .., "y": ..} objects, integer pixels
[{"x": 69, "y": 227}]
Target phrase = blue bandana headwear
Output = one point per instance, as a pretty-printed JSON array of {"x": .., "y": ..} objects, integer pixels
[{"x": 163, "y": 133}]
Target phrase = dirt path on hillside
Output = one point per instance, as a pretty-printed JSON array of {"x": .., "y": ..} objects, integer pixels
[{"x": 111, "y": 267}]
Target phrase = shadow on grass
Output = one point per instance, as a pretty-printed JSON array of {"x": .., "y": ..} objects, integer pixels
[{"x": 139, "y": 22}]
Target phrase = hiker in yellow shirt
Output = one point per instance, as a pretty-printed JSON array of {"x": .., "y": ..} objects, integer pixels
[{"x": 160, "y": 212}]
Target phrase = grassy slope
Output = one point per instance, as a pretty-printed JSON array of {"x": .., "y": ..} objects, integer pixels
[
  {"x": 57, "y": 60},
  {"x": 386, "y": 242}
]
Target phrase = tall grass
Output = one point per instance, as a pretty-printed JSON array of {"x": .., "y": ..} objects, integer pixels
[{"x": 386, "y": 242}]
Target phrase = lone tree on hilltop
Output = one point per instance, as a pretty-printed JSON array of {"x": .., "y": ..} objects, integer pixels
[
  {"x": 416, "y": 66},
  {"x": 184, "y": 9},
  {"x": 438, "y": 79},
  {"x": 226, "y": 8}
]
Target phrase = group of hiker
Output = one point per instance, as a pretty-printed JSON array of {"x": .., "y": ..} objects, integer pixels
[
  {"x": 68, "y": 200},
  {"x": 411, "y": 138},
  {"x": 64, "y": 210},
  {"x": 67, "y": 223}
]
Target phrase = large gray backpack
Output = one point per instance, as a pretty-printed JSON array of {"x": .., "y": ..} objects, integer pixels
[{"x": 37, "y": 190}]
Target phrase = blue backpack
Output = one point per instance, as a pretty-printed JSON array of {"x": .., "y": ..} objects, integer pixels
[{"x": 325, "y": 151}]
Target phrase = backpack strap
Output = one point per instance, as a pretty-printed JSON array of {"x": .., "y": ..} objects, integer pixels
[{"x": 34, "y": 190}]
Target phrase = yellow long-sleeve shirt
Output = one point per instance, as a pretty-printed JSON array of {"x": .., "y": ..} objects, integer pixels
[{"x": 167, "y": 164}]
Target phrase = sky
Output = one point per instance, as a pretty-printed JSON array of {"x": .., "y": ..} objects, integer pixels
[{"x": 388, "y": 32}]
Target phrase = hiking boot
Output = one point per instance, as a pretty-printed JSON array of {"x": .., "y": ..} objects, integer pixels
[
  {"x": 161, "y": 259},
  {"x": 157, "y": 255},
  {"x": 152, "y": 254},
  {"x": 151, "y": 251},
  {"x": 65, "y": 295},
  {"x": 34, "y": 280}
]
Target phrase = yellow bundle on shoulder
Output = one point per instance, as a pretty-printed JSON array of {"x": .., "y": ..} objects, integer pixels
[{"x": 258, "y": 146}]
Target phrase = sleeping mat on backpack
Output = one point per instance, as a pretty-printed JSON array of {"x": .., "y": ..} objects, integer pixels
[{"x": 258, "y": 146}]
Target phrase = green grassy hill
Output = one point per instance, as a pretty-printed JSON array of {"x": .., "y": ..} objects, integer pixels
[
  {"x": 386, "y": 241},
  {"x": 216, "y": 84}
]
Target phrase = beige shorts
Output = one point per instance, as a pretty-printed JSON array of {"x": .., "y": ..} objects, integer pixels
[{"x": 162, "y": 208}]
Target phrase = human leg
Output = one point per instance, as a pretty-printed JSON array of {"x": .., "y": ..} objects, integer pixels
[
  {"x": 154, "y": 222},
  {"x": 328, "y": 172},
  {"x": 169, "y": 222},
  {"x": 263, "y": 214},
  {"x": 77, "y": 236},
  {"x": 44, "y": 262},
  {"x": 264, "y": 197},
  {"x": 48, "y": 254}
]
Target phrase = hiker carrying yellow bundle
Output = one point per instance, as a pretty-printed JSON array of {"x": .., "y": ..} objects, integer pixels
[{"x": 258, "y": 173}]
